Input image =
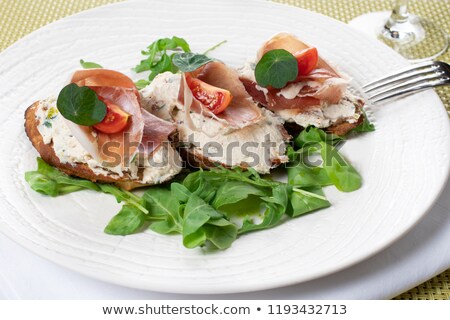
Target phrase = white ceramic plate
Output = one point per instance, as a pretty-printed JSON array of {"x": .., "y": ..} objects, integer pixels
[{"x": 405, "y": 163}]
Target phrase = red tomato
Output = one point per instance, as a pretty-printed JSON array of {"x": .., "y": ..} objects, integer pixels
[
  {"x": 115, "y": 120},
  {"x": 306, "y": 60},
  {"x": 213, "y": 98}
]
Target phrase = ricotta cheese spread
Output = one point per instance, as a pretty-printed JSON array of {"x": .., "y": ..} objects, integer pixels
[
  {"x": 325, "y": 115},
  {"x": 160, "y": 97},
  {"x": 255, "y": 146}
]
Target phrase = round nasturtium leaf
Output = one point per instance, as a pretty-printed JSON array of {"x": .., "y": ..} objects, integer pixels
[
  {"x": 276, "y": 68},
  {"x": 81, "y": 105}
]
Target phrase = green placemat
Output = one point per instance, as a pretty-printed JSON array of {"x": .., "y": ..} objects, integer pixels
[{"x": 20, "y": 17}]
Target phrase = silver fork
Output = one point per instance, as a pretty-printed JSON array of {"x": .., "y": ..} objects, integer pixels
[{"x": 413, "y": 78}]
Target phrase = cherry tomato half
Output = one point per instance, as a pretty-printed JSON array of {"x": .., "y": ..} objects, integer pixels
[
  {"x": 213, "y": 98},
  {"x": 115, "y": 120},
  {"x": 307, "y": 60}
]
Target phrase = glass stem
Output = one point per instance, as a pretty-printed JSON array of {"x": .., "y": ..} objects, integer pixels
[
  {"x": 400, "y": 12},
  {"x": 398, "y": 27}
]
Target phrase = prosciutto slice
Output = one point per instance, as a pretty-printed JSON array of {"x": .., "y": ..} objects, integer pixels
[
  {"x": 322, "y": 85},
  {"x": 241, "y": 111},
  {"x": 144, "y": 131},
  {"x": 103, "y": 78},
  {"x": 156, "y": 131}
]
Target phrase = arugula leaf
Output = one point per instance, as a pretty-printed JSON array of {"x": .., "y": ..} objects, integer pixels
[
  {"x": 42, "y": 184},
  {"x": 272, "y": 217},
  {"x": 50, "y": 181},
  {"x": 141, "y": 84},
  {"x": 159, "y": 202},
  {"x": 161, "y": 205},
  {"x": 174, "y": 43},
  {"x": 180, "y": 192},
  {"x": 196, "y": 213},
  {"x": 163, "y": 65},
  {"x": 234, "y": 191},
  {"x": 276, "y": 207},
  {"x": 80, "y": 105},
  {"x": 189, "y": 61},
  {"x": 160, "y": 54},
  {"x": 170, "y": 55},
  {"x": 304, "y": 175},
  {"x": 341, "y": 173},
  {"x": 89, "y": 65},
  {"x": 220, "y": 174},
  {"x": 365, "y": 126},
  {"x": 312, "y": 135},
  {"x": 200, "y": 227},
  {"x": 334, "y": 170},
  {"x": 307, "y": 200},
  {"x": 221, "y": 233},
  {"x": 192, "y": 180},
  {"x": 276, "y": 68},
  {"x": 214, "y": 47},
  {"x": 61, "y": 178},
  {"x": 122, "y": 195},
  {"x": 127, "y": 221}
]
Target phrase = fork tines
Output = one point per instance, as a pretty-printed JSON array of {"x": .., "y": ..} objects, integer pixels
[{"x": 412, "y": 78}]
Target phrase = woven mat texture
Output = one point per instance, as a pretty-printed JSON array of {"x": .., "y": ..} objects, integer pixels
[{"x": 20, "y": 17}]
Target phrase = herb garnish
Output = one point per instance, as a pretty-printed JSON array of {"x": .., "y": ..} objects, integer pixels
[
  {"x": 170, "y": 55},
  {"x": 90, "y": 65},
  {"x": 160, "y": 54},
  {"x": 365, "y": 126},
  {"x": 80, "y": 105},
  {"x": 276, "y": 68},
  {"x": 189, "y": 61}
]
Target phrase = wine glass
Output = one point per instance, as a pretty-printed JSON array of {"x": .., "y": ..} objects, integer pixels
[{"x": 415, "y": 38}]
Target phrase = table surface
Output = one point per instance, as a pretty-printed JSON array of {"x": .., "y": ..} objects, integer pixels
[{"x": 20, "y": 17}]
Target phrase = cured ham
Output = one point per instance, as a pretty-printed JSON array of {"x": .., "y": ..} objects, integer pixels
[
  {"x": 103, "y": 78},
  {"x": 156, "y": 131},
  {"x": 322, "y": 85},
  {"x": 144, "y": 131},
  {"x": 240, "y": 112}
]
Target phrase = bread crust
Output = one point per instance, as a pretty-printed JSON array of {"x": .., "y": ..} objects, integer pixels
[{"x": 80, "y": 170}]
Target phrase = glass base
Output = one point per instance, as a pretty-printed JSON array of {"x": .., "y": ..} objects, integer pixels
[{"x": 417, "y": 39}]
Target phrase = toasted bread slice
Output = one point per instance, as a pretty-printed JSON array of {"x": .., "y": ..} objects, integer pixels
[
  {"x": 199, "y": 134},
  {"x": 339, "y": 128},
  {"x": 195, "y": 157},
  {"x": 338, "y": 118},
  {"x": 78, "y": 169},
  {"x": 261, "y": 146}
]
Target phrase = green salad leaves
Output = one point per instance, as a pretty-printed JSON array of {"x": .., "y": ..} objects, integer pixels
[{"x": 213, "y": 208}]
